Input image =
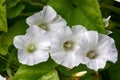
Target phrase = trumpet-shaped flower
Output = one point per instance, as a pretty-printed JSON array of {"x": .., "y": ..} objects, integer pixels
[
  {"x": 65, "y": 48},
  {"x": 117, "y": 0},
  {"x": 47, "y": 19},
  {"x": 33, "y": 47},
  {"x": 2, "y": 78},
  {"x": 99, "y": 49}
]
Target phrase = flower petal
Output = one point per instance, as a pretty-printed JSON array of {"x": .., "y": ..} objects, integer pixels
[
  {"x": 106, "y": 48},
  {"x": 92, "y": 38},
  {"x": 19, "y": 41},
  {"x": 35, "y": 32},
  {"x": 57, "y": 25},
  {"x": 40, "y": 56},
  {"x": 78, "y": 29},
  {"x": 96, "y": 64},
  {"x": 35, "y": 19},
  {"x": 49, "y": 14},
  {"x": 25, "y": 58},
  {"x": 2, "y": 78}
]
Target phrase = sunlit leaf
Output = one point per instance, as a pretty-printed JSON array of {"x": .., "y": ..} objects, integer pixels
[
  {"x": 52, "y": 75},
  {"x": 15, "y": 11},
  {"x": 6, "y": 39},
  {"x": 34, "y": 72},
  {"x": 3, "y": 20},
  {"x": 84, "y": 12},
  {"x": 11, "y": 3}
]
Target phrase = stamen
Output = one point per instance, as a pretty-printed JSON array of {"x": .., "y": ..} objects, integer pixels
[
  {"x": 43, "y": 26},
  {"x": 31, "y": 48},
  {"x": 68, "y": 45},
  {"x": 91, "y": 54}
]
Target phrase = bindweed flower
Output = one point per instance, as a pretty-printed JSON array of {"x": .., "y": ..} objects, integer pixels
[
  {"x": 47, "y": 19},
  {"x": 33, "y": 47},
  {"x": 117, "y": 0},
  {"x": 2, "y": 78},
  {"x": 65, "y": 48},
  {"x": 99, "y": 49}
]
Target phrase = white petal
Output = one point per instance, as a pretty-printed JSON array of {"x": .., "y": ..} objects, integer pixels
[
  {"x": 25, "y": 58},
  {"x": 62, "y": 35},
  {"x": 117, "y": 0},
  {"x": 106, "y": 48},
  {"x": 92, "y": 38},
  {"x": 57, "y": 25},
  {"x": 71, "y": 60},
  {"x": 48, "y": 13},
  {"x": 2, "y": 78},
  {"x": 40, "y": 56},
  {"x": 35, "y": 19},
  {"x": 96, "y": 64},
  {"x": 44, "y": 45},
  {"x": 35, "y": 32},
  {"x": 32, "y": 58},
  {"x": 19, "y": 41},
  {"x": 78, "y": 29}
]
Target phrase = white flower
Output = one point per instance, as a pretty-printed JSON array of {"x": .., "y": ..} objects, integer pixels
[
  {"x": 33, "y": 47},
  {"x": 99, "y": 49},
  {"x": 117, "y": 0},
  {"x": 65, "y": 48},
  {"x": 2, "y": 78},
  {"x": 47, "y": 19}
]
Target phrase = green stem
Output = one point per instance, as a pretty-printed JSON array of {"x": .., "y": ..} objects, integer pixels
[
  {"x": 97, "y": 76},
  {"x": 9, "y": 73},
  {"x": 34, "y": 3},
  {"x": 3, "y": 58}
]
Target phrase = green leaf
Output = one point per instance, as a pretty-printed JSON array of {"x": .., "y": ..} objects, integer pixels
[
  {"x": 114, "y": 71},
  {"x": 83, "y": 12},
  {"x": 15, "y": 11},
  {"x": 68, "y": 72},
  {"x": 18, "y": 29},
  {"x": 3, "y": 49},
  {"x": 3, "y": 20},
  {"x": 52, "y": 75},
  {"x": 12, "y": 3},
  {"x": 34, "y": 72},
  {"x": 6, "y": 39},
  {"x": 88, "y": 77}
]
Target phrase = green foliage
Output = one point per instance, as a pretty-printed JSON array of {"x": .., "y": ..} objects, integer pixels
[
  {"x": 52, "y": 75},
  {"x": 3, "y": 20},
  {"x": 37, "y": 72},
  {"x": 7, "y": 38},
  {"x": 88, "y": 77},
  {"x": 114, "y": 71},
  {"x": 13, "y": 14},
  {"x": 80, "y": 12},
  {"x": 15, "y": 11},
  {"x": 70, "y": 72}
]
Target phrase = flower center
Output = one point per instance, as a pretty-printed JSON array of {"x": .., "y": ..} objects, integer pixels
[
  {"x": 43, "y": 26},
  {"x": 68, "y": 45},
  {"x": 91, "y": 55},
  {"x": 31, "y": 48}
]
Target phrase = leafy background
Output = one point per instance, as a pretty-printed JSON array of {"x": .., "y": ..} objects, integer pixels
[{"x": 89, "y": 13}]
